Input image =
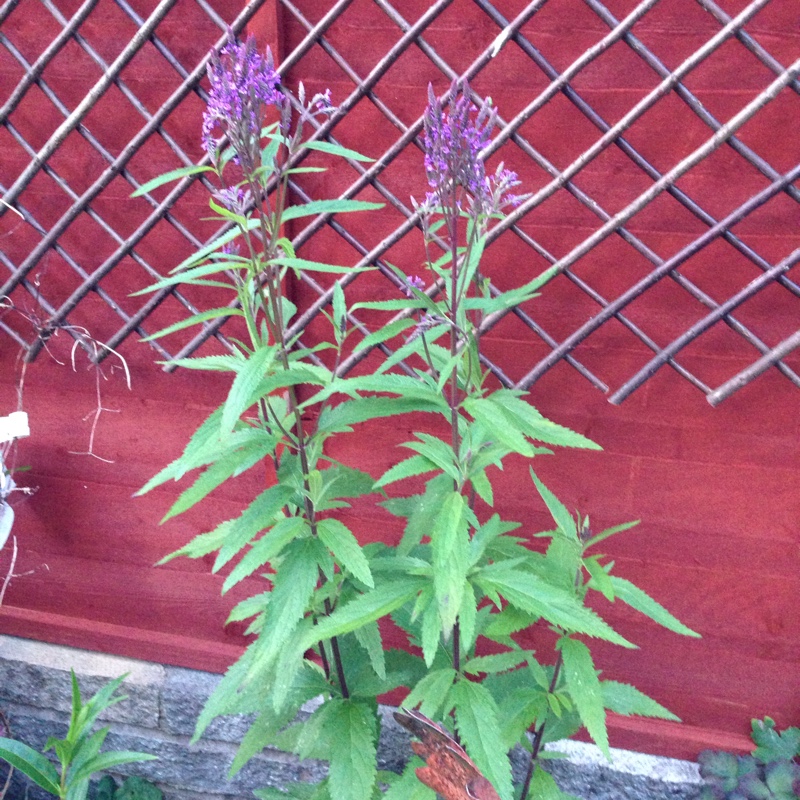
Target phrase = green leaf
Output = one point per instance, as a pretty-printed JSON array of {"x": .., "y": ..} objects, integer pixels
[
  {"x": 104, "y": 761},
  {"x": 450, "y": 551},
  {"x": 385, "y": 332},
  {"x": 196, "y": 319},
  {"x": 409, "y": 787},
  {"x": 562, "y": 517},
  {"x": 543, "y": 787},
  {"x": 364, "y": 609},
  {"x": 172, "y": 175},
  {"x": 231, "y": 464},
  {"x": 476, "y": 718},
  {"x": 774, "y": 746},
  {"x": 538, "y": 427},
  {"x": 344, "y": 152},
  {"x": 610, "y": 532},
  {"x": 315, "y": 207},
  {"x": 343, "y": 415},
  {"x": 642, "y": 602},
  {"x": 31, "y": 763},
  {"x": 437, "y": 451},
  {"x": 292, "y": 587},
  {"x": 242, "y": 392},
  {"x": 268, "y": 547},
  {"x": 622, "y": 698},
  {"x": 531, "y": 593},
  {"x": 600, "y": 579},
  {"x": 584, "y": 689},
  {"x": 499, "y": 424},
  {"x": 312, "y": 266},
  {"x": 260, "y": 514},
  {"x": 497, "y": 662},
  {"x": 409, "y": 468},
  {"x": 431, "y": 691},
  {"x": 345, "y": 547},
  {"x": 369, "y": 637},
  {"x": 353, "y": 766}
]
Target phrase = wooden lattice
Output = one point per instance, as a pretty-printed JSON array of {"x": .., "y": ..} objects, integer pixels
[{"x": 698, "y": 140}]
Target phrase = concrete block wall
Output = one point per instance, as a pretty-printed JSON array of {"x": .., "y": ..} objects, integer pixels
[{"x": 163, "y": 703}]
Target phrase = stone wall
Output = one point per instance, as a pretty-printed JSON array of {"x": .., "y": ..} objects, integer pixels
[{"x": 164, "y": 702}]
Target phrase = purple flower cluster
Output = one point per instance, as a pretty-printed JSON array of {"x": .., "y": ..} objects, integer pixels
[
  {"x": 453, "y": 143},
  {"x": 243, "y": 84}
]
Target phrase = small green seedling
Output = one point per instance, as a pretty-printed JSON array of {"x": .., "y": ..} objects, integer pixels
[{"x": 78, "y": 754}]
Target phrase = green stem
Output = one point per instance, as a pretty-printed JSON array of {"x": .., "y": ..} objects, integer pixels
[
  {"x": 271, "y": 302},
  {"x": 538, "y": 737}
]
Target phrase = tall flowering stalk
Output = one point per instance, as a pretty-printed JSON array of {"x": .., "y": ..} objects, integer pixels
[{"x": 458, "y": 581}]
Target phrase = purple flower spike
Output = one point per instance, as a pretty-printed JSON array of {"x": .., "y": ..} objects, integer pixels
[
  {"x": 243, "y": 83},
  {"x": 453, "y": 143}
]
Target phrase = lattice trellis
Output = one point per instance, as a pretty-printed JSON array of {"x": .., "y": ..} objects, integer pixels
[{"x": 722, "y": 205}]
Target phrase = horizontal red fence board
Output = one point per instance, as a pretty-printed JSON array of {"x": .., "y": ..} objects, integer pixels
[{"x": 717, "y": 490}]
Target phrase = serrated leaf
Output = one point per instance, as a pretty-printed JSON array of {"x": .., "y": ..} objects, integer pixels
[
  {"x": 408, "y": 468},
  {"x": 385, "y": 598},
  {"x": 600, "y": 579},
  {"x": 303, "y": 264},
  {"x": 353, "y": 765},
  {"x": 642, "y": 602},
  {"x": 558, "y": 511},
  {"x": 268, "y": 547},
  {"x": 349, "y": 412},
  {"x": 430, "y": 693},
  {"x": 260, "y": 514},
  {"x": 292, "y": 588},
  {"x": 499, "y": 424},
  {"x": 384, "y": 333},
  {"x": 409, "y": 787},
  {"x": 437, "y": 451},
  {"x": 478, "y": 728},
  {"x": 584, "y": 689},
  {"x": 774, "y": 746},
  {"x": 241, "y": 394},
  {"x": 544, "y": 787},
  {"x": 431, "y": 634},
  {"x": 369, "y": 637},
  {"x": 532, "y": 594},
  {"x": 450, "y": 553},
  {"x": 229, "y": 465},
  {"x": 622, "y": 698},
  {"x": 497, "y": 662},
  {"x": 31, "y": 763},
  {"x": 345, "y": 547},
  {"x": 537, "y": 427}
]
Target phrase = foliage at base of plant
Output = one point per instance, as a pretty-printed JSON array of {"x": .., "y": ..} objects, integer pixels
[
  {"x": 771, "y": 772},
  {"x": 463, "y": 583},
  {"x": 78, "y": 754},
  {"x": 132, "y": 788}
]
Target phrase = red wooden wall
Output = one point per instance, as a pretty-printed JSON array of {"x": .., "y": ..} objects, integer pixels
[{"x": 716, "y": 489}]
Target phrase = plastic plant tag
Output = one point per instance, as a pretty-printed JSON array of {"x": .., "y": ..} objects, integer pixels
[
  {"x": 14, "y": 426},
  {"x": 6, "y": 521}
]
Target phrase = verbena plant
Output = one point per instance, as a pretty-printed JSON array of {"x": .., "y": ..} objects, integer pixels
[{"x": 462, "y": 582}]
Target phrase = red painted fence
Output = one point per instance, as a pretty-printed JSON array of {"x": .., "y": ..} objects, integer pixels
[{"x": 716, "y": 489}]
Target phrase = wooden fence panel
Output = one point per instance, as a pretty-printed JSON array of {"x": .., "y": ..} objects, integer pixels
[{"x": 667, "y": 282}]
